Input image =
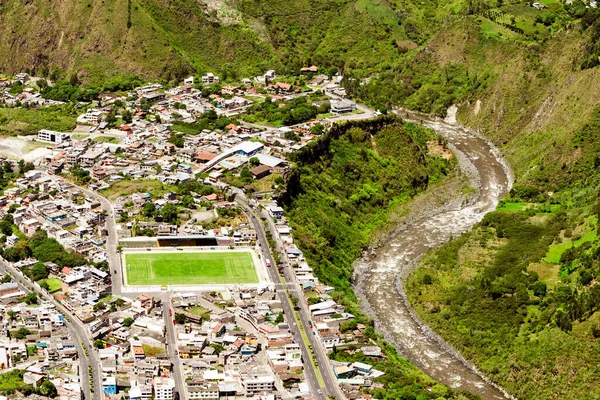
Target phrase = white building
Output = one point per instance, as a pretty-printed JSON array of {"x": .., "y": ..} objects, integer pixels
[
  {"x": 48, "y": 136},
  {"x": 258, "y": 384},
  {"x": 91, "y": 117},
  {"x": 209, "y": 79},
  {"x": 164, "y": 388},
  {"x": 342, "y": 106}
]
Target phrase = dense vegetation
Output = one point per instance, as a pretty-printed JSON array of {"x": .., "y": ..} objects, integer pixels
[
  {"x": 12, "y": 382},
  {"x": 25, "y": 121},
  {"x": 341, "y": 190},
  {"x": 44, "y": 249},
  {"x": 291, "y": 112}
]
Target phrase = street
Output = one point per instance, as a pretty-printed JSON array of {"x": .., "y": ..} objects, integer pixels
[
  {"x": 78, "y": 331},
  {"x": 331, "y": 387}
]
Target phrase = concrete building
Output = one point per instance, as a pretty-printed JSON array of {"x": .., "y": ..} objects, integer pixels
[
  {"x": 49, "y": 136},
  {"x": 342, "y": 106},
  {"x": 164, "y": 388},
  {"x": 210, "y": 78},
  {"x": 109, "y": 385}
]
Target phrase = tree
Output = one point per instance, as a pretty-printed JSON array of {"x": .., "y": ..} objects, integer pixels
[
  {"x": 279, "y": 318},
  {"x": 169, "y": 213},
  {"x": 39, "y": 271},
  {"x": 148, "y": 209},
  {"x": 563, "y": 321},
  {"x": 254, "y": 161},
  {"x": 188, "y": 201},
  {"x": 44, "y": 285},
  {"x": 177, "y": 139},
  {"x": 180, "y": 319},
  {"x": 99, "y": 344},
  {"x": 127, "y": 116},
  {"x": 128, "y": 322},
  {"x": 6, "y": 227},
  {"x": 30, "y": 298},
  {"x": 21, "y": 333},
  {"x": 246, "y": 175},
  {"x": 539, "y": 289},
  {"x": 48, "y": 389}
]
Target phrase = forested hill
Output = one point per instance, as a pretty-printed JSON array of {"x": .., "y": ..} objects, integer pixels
[{"x": 344, "y": 186}]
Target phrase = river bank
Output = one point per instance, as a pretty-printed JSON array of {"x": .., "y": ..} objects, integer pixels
[{"x": 433, "y": 220}]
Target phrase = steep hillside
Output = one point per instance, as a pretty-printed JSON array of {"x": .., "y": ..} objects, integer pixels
[
  {"x": 154, "y": 38},
  {"x": 171, "y": 38},
  {"x": 518, "y": 296}
]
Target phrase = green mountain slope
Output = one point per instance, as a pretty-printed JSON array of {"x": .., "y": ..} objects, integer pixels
[{"x": 170, "y": 38}]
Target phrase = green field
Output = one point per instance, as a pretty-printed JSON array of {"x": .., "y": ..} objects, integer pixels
[
  {"x": 55, "y": 284},
  {"x": 190, "y": 268}
]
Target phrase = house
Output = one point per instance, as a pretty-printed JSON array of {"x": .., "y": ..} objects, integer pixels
[
  {"x": 275, "y": 211},
  {"x": 109, "y": 385},
  {"x": 280, "y": 88},
  {"x": 342, "y": 106},
  {"x": 312, "y": 68},
  {"x": 247, "y": 148},
  {"x": 202, "y": 157},
  {"x": 45, "y": 135},
  {"x": 261, "y": 171},
  {"x": 9, "y": 289},
  {"x": 30, "y": 226},
  {"x": 257, "y": 384},
  {"x": 164, "y": 388},
  {"x": 144, "y": 303},
  {"x": 89, "y": 157},
  {"x": 91, "y": 117},
  {"x": 209, "y": 79},
  {"x": 202, "y": 389}
]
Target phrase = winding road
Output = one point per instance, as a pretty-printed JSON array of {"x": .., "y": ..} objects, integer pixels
[{"x": 380, "y": 278}]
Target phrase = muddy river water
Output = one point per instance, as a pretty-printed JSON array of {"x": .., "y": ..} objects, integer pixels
[{"x": 380, "y": 277}]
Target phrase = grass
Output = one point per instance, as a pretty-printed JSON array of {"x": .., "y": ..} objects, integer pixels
[
  {"x": 190, "y": 268},
  {"x": 152, "y": 351},
  {"x": 127, "y": 187},
  {"x": 30, "y": 146},
  {"x": 106, "y": 139},
  {"x": 547, "y": 272},
  {"x": 12, "y": 381},
  {"x": 588, "y": 235},
  {"x": 21, "y": 121},
  {"x": 511, "y": 206},
  {"x": 199, "y": 310},
  {"x": 55, "y": 284}
]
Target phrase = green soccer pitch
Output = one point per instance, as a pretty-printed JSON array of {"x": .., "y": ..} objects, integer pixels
[{"x": 194, "y": 268}]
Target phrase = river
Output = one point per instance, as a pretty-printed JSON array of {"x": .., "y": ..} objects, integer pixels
[{"x": 380, "y": 276}]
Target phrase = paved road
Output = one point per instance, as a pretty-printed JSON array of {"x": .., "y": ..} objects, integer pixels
[
  {"x": 114, "y": 258},
  {"x": 77, "y": 330},
  {"x": 172, "y": 348},
  {"x": 331, "y": 387}
]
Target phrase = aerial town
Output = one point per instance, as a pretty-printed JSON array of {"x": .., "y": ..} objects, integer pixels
[{"x": 85, "y": 311}]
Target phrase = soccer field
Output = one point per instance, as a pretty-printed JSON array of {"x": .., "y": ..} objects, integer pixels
[{"x": 194, "y": 268}]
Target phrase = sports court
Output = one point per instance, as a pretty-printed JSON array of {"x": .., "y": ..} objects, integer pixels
[{"x": 190, "y": 268}]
